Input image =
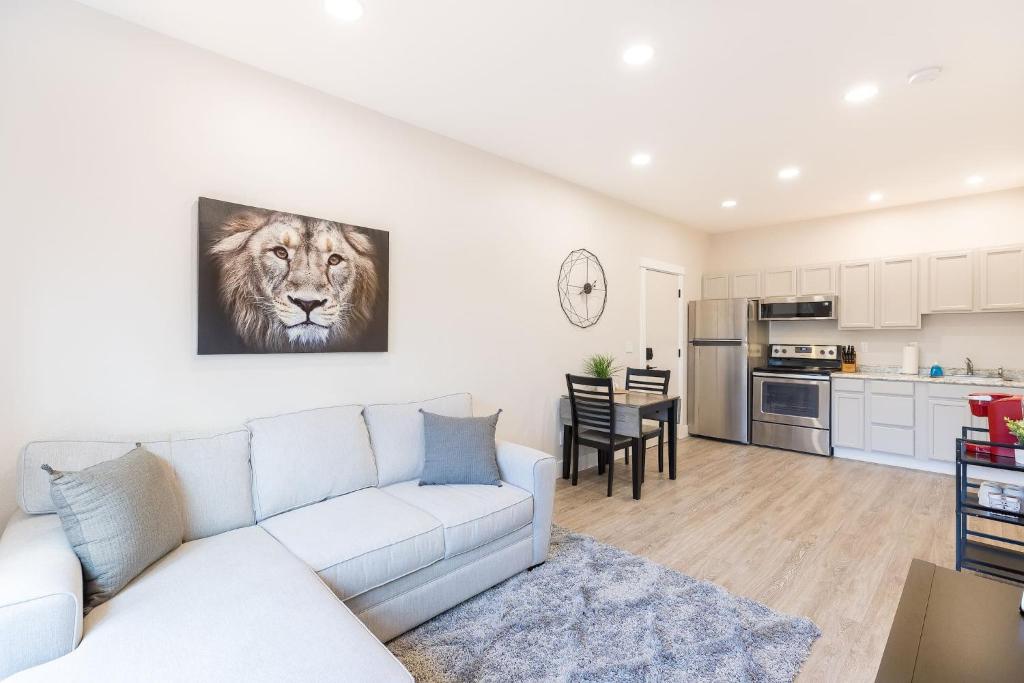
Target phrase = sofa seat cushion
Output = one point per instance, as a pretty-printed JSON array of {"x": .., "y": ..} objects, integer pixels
[
  {"x": 472, "y": 514},
  {"x": 231, "y": 607},
  {"x": 361, "y": 540}
]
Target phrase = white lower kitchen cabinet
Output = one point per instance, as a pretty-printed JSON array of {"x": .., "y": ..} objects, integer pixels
[
  {"x": 943, "y": 412},
  {"x": 944, "y": 419},
  {"x": 902, "y": 422},
  {"x": 891, "y": 417},
  {"x": 848, "y": 419}
]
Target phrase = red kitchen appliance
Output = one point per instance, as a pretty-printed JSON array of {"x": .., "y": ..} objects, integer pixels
[{"x": 996, "y": 407}]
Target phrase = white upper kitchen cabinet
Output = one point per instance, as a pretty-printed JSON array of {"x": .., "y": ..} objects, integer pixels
[
  {"x": 898, "y": 287},
  {"x": 780, "y": 282},
  {"x": 857, "y": 295},
  {"x": 950, "y": 282},
  {"x": 746, "y": 285},
  {"x": 715, "y": 286},
  {"x": 816, "y": 279},
  {"x": 1001, "y": 279}
]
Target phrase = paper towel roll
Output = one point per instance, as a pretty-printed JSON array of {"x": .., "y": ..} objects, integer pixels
[{"x": 911, "y": 357}]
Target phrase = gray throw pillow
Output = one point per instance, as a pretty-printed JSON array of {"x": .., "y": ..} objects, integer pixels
[
  {"x": 120, "y": 516},
  {"x": 459, "y": 450}
]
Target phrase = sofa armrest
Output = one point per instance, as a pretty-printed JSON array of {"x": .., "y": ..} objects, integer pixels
[
  {"x": 40, "y": 593},
  {"x": 533, "y": 471}
]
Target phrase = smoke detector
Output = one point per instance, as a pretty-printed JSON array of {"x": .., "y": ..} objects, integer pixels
[{"x": 925, "y": 75}]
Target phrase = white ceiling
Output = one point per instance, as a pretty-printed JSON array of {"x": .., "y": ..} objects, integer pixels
[{"x": 736, "y": 90}]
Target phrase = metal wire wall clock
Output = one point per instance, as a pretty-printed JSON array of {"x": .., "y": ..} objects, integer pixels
[{"x": 582, "y": 288}]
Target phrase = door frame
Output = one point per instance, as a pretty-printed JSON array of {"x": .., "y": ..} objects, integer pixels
[{"x": 656, "y": 266}]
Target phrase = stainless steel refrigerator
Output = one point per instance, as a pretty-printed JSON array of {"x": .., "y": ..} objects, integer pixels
[{"x": 725, "y": 340}]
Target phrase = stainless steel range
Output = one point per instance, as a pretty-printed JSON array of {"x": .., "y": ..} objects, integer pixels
[{"x": 791, "y": 398}]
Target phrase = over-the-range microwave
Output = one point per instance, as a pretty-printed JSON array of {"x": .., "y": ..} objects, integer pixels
[{"x": 817, "y": 307}]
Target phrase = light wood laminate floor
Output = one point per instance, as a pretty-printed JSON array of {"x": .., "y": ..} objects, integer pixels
[{"x": 825, "y": 538}]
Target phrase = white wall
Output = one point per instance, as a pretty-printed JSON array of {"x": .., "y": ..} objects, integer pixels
[
  {"x": 994, "y": 218},
  {"x": 990, "y": 339},
  {"x": 109, "y": 133}
]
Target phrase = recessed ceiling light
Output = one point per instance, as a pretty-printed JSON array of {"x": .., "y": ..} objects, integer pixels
[
  {"x": 876, "y": 197},
  {"x": 640, "y": 159},
  {"x": 636, "y": 55},
  {"x": 729, "y": 204},
  {"x": 974, "y": 180},
  {"x": 789, "y": 173},
  {"x": 344, "y": 10},
  {"x": 925, "y": 75},
  {"x": 860, "y": 94}
]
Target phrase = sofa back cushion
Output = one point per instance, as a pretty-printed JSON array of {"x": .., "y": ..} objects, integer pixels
[
  {"x": 216, "y": 482},
  {"x": 309, "y": 456},
  {"x": 212, "y": 474},
  {"x": 396, "y": 431}
]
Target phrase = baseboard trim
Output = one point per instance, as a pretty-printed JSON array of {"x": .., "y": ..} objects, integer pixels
[{"x": 947, "y": 468}]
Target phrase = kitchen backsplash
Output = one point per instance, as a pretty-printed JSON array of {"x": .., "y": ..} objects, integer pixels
[{"x": 991, "y": 340}]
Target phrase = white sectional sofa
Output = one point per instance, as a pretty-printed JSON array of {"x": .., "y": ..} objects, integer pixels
[{"x": 307, "y": 542}]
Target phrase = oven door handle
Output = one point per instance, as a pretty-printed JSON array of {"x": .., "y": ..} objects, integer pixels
[{"x": 779, "y": 375}]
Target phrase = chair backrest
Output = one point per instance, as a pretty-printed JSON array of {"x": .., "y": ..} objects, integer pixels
[
  {"x": 648, "y": 381},
  {"x": 593, "y": 403}
]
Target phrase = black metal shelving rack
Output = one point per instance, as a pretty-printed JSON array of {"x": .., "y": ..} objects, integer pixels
[{"x": 974, "y": 549}]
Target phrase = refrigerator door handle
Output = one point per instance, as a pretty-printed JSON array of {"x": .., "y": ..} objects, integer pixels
[{"x": 717, "y": 342}]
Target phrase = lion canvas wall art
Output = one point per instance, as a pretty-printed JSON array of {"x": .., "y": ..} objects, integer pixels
[{"x": 275, "y": 282}]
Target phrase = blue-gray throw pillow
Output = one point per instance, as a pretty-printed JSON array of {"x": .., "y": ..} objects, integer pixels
[
  {"x": 459, "y": 450},
  {"x": 120, "y": 516}
]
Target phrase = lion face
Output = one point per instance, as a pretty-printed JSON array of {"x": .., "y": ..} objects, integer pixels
[{"x": 292, "y": 283}]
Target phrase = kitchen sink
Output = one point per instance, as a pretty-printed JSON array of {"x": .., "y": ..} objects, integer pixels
[{"x": 975, "y": 379}]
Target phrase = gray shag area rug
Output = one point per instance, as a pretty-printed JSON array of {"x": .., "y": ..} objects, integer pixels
[{"x": 594, "y": 612}]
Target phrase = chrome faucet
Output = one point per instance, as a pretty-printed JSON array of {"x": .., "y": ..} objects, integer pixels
[
  {"x": 970, "y": 366},
  {"x": 1002, "y": 373}
]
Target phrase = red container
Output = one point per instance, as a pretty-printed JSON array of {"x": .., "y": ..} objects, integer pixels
[
  {"x": 979, "y": 403},
  {"x": 996, "y": 407},
  {"x": 1010, "y": 407}
]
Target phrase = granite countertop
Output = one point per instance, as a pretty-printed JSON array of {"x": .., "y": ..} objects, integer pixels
[{"x": 1014, "y": 378}]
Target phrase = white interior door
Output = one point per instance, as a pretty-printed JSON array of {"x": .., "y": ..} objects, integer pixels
[{"x": 663, "y": 326}]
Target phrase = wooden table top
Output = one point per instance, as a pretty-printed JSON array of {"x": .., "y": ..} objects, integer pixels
[
  {"x": 954, "y": 626},
  {"x": 638, "y": 399}
]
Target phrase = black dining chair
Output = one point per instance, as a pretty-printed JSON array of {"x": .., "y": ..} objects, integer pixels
[
  {"x": 650, "y": 381},
  {"x": 592, "y": 401}
]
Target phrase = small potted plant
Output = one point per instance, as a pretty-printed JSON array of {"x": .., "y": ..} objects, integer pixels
[
  {"x": 601, "y": 365},
  {"x": 1016, "y": 428}
]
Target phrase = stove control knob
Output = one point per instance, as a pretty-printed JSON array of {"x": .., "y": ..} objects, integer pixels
[
  {"x": 822, "y": 352},
  {"x": 831, "y": 352}
]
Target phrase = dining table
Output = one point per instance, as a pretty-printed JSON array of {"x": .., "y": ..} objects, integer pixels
[{"x": 631, "y": 409}]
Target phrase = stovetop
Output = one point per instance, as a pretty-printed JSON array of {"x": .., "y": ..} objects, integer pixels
[
  {"x": 797, "y": 369},
  {"x": 805, "y": 359}
]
